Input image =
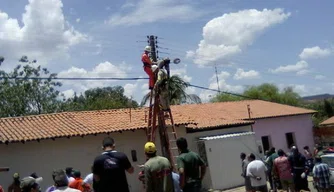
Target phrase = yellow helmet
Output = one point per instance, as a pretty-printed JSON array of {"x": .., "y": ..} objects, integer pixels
[{"x": 150, "y": 148}]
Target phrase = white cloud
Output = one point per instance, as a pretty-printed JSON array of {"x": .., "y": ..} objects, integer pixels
[
  {"x": 303, "y": 72},
  {"x": 241, "y": 74},
  {"x": 182, "y": 72},
  {"x": 319, "y": 77},
  {"x": 314, "y": 53},
  {"x": 45, "y": 34},
  {"x": 150, "y": 11},
  {"x": 299, "y": 66},
  {"x": 206, "y": 95},
  {"x": 105, "y": 69},
  {"x": 78, "y": 20},
  {"x": 231, "y": 33},
  {"x": 68, "y": 93}
]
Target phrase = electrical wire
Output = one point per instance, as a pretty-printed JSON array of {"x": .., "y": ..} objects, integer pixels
[{"x": 119, "y": 79}]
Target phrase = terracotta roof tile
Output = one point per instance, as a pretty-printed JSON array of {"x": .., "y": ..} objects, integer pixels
[
  {"x": 329, "y": 121},
  {"x": 195, "y": 116}
]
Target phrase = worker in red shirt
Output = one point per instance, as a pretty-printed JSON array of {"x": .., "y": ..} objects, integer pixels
[{"x": 147, "y": 66}]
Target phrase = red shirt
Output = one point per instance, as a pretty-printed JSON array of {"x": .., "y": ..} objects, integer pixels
[
  {"x": 78, "y": 184},
  {"x": 146, "y": 59},
  {"x": 283, "y": 167}
]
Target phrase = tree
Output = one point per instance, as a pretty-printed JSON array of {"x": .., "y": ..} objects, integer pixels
[
  {"x": 226, "y": 97},
  {"x": 177, "y": 92},
  {"x": 266, "y": 91},
  {"x": 28, "y": 90},
  {"x": 328, "y": 108},
  {"x": 99, "y": 98}
]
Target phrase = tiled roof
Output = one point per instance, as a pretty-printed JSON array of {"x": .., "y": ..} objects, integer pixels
[
  {"x": 329, "y": 121},
  {"x": 69, "y": 124},
  {"x": 238, "y": 110},
  {"x": 195, "y": 116}
]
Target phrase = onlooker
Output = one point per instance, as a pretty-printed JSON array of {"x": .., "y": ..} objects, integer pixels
[
  {"x": 309, "y": 157},
  {"x": 69, "y": 173},
  {"x": 61, "y": 181},
  {"x": 89, "y": 180},
  {"x": 321, "y": 174},
  {"x": 109, "y": 169},
  {"x": 157, "y": 171},
  {"x": 244, "y": 163},
  {"x": 78, "y": 182},
  {"x": 299, "y": 170},
  {"x": 256, "y": 170},
  {"x": 270, "y": 161},
  {"x": 176, "y": 180},
  {"x": 282, "y": 169},
  {"x": 15, "y": 186},
  {"x": 30, "y": 184},
  {"x": 191, "y": 167}
]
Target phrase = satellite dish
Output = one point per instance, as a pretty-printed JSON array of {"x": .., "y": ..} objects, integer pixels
[{"x": 176, "y": 61}]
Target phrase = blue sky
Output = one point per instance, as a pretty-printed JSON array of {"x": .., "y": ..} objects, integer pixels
[{"x": 289, "y": 43}]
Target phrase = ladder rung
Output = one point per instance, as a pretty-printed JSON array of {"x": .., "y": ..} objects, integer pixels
[
  {"x": 174, "y": 148},
  {"x": 172, "y": 140}
]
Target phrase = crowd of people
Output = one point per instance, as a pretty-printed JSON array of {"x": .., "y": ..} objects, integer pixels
[
  {"x": 286, "y": 171},
  {"x": 109, "y": 173}
]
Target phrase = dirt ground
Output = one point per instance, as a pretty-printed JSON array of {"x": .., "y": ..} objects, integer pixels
[{"x": 242, "y": 189}]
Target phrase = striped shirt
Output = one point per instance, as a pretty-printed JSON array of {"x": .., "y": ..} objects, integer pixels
[{"x": 322, "y": 173}]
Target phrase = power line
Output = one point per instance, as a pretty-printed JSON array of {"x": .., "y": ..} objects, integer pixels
[{"x": 120, "y": 79}]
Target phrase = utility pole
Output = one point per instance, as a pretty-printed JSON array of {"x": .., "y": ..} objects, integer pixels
[
  {"x": 249, "y": 115},
  {"x": 163, "y": 138},
  {"x": 152, "y": 43},
  {"x": 217, "y": 78}
]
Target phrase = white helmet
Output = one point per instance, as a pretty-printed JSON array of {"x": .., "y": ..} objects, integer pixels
[
  {"x": 154, "y": 68},
  {"x": 148, "y": 48}
]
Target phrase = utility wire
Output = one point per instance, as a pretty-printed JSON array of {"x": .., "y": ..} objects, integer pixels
[{"x": 124, "y": 79}]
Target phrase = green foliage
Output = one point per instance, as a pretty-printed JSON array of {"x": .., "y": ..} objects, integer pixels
[
  {"x": 177, "y": 92},
  {"x": 22, "y": 96},
  {"x": 99, "y": 98},
  {"x": 226, "y": 97},
  {"x": 324, "y": 109},
  {"x": 266, "y": 91}
]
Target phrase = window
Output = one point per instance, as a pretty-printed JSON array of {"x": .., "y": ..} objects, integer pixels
[
  {"x": 134, "y": 155},
  {"x": 202, "y": 151},
  {"x": 266, "y": 143},
  {"x": 290, "y": 139}
]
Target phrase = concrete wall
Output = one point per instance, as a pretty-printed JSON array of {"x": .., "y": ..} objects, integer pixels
[
  {"x": 301, "y": 125},
  {"x": 224, "y": 159},
  {"x": 79, "y": 153}
]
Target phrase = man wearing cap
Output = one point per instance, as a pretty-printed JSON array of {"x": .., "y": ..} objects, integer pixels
[
  {"x": 145, "y": 58},
  {"x": 109, "y": 169},
  {"x": 157, "y": 171},
  {"x": 61, "y": 182},
  {"x": 30, "y": 184},
  {"x": 15, "y": 186}
]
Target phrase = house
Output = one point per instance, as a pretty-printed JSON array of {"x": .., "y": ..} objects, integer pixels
[
  {"x": 41, "y": 143},
  {"x": 324, "y": 133}
]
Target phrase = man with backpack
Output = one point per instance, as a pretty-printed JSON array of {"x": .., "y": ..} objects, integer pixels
[{"x": 109, "y": 169}]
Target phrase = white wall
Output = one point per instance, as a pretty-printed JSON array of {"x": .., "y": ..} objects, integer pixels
[
  {"x": 224, "y": 159},
  {"x": 79, "y": 153},
  {"x": 76, "y": 152}
]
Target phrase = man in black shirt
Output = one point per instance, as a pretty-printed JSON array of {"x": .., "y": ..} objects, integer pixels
[{"x": 109, "y": 169}]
